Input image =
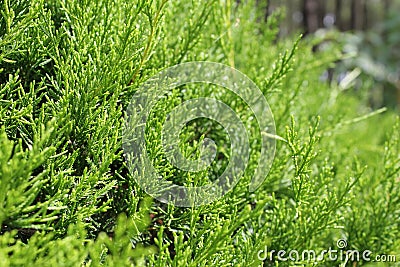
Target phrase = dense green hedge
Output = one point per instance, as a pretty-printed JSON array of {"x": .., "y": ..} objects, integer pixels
[{"x": 68, "y": 70}]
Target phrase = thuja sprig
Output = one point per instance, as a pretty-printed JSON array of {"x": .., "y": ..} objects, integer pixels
[
  {"x": 154, "y": 22},
  {"x": 302, "y": 155},
  {"x": 66, "y": 196}
]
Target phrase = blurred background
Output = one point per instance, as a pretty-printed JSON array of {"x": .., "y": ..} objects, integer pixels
[{"x": 367, "y": 30}]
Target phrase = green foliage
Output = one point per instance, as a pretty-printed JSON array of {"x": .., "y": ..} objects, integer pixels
[{"x": 67, "y": 72}]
